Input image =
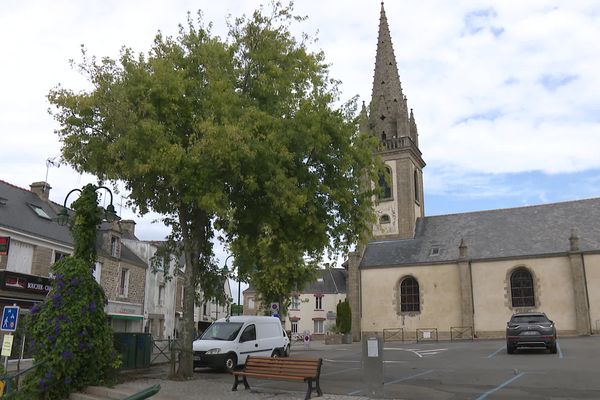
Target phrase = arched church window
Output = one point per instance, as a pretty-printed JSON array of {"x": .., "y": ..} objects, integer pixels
[
  {"x": 385, "y": 219},
  {"x": 385, "y": 178},
  {"x": 521, "y": 288},
  {"x": 409, "y": 295},
  {"x": 416, "y": 182}
]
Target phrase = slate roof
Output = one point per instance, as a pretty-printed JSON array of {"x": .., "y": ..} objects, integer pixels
[
  {"x": 513, "y": 232},
  {"x": 334, "y": 281},
  {"x": 17, "y": 214}
]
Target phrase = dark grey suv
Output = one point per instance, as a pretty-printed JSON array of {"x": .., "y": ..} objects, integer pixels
[{"x": 532, "y": 329}]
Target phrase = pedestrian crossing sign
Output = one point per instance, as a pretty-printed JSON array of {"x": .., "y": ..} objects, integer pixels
[{"x": 10, "y": 316}]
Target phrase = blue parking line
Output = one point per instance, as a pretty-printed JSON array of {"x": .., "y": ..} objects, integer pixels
[
  {"x": 560, "y": 353},
  {"x": 496, "y": 352},
  {"x": 514, "y": 378},
  {"x": 396, "y": 381}
]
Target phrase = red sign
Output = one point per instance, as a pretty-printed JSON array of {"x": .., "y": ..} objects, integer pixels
[{"x": 4, "y": 245}]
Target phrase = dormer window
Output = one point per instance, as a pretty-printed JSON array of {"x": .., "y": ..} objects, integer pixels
[{"x": 435, "y": 251}]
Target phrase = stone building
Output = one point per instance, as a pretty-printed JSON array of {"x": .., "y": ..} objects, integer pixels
[
  {"x": 159, "y": 301},
  {"x": 469, "y": 270},
  {"x": 34, "y": 241},
  {"x": 311, "y": 309}
]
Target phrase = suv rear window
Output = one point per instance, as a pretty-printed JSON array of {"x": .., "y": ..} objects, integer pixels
[{"x": 528, "y": 319}]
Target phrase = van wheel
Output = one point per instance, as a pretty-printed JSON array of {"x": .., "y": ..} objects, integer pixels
[
  {"x": 230, "y": 362},
  {"x": 276, "y": 353}
]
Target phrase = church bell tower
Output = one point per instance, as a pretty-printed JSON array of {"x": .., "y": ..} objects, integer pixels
[{"x": 393, "y": 124}]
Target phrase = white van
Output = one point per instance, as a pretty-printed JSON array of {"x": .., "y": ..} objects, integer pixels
[{"x": 229, "y": 341}]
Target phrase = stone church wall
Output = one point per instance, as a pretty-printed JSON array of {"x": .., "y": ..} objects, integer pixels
[
  {"x": 553, "y": 291},
  {"x": 440, "y": 299},
  {"x": 592, "y": 273}
]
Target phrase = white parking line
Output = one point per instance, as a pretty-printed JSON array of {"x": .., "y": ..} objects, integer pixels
[
  {"x": 486, "y": 394},
  {"x": 496, "y": 352},
  {"x": 418, "y": 352}
]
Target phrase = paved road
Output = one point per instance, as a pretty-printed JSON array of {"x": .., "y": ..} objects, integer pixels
[{"x": 459, "y": 370}]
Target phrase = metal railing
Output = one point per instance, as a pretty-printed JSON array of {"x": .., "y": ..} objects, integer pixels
[
  {"x": 393, "y": 335},
  {"x": 12, "y": 381},
  {"x": 427, "y": 335},
  {"x": 461, "y": 333}
]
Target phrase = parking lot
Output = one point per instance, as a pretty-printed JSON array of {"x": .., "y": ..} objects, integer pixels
[{"x": 456, "y": 370}]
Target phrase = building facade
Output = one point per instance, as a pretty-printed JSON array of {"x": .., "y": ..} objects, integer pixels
[{"x": 463, "y": 271}]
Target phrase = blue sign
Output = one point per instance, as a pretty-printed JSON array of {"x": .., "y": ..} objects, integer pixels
[{"x": 10, "y": 316}]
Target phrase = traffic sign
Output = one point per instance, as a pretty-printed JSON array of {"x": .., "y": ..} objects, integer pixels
[{"x": 10, "y": 316}]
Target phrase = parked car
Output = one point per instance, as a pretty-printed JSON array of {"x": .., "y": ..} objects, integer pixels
[
  {"x": 228, "y": 341},
  {"x": 530, "y": 329}
]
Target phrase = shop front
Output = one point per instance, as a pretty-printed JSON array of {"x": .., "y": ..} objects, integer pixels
[{"x": 125, "y": 317}]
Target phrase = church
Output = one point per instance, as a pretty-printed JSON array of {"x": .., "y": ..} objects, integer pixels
[{"x": 431, "y": 276}]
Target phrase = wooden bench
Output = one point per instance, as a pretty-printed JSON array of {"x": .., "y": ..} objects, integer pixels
[{"x": 291, "y": 369}]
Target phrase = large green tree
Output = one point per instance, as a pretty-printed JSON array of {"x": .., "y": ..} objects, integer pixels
[{"x": 240, "y": 136}]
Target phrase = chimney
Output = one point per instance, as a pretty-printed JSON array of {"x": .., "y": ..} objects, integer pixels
[
  {"x": 41, "y": 189},
  {"x": 127, "y": 227}
]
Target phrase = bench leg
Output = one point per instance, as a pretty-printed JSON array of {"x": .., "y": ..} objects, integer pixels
[
  {"x": 319, "y": 387},
  {"x": 237, "y": 381},
  {"x": 310, "y": 389}
]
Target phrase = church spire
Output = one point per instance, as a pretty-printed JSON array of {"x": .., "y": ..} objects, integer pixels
[{"x": 388, "y": 113}]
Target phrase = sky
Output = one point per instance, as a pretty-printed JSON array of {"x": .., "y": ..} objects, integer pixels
[{"x": 505, "y": 92}]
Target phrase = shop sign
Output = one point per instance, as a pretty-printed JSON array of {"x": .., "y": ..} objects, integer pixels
[
  {"x": 24, "y": 283},
  {"x": 4, "y": 245}
]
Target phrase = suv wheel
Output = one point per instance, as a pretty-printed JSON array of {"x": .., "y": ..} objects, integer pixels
[{"x": 510, "y": 349}]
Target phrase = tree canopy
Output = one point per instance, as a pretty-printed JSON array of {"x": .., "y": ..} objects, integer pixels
[{"x": 241, "y": 136}]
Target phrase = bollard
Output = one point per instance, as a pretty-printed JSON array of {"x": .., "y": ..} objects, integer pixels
[{"x": 372, "y": 363}]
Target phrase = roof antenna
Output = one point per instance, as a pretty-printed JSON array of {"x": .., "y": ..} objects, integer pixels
[{"x": 50, "y": 161}]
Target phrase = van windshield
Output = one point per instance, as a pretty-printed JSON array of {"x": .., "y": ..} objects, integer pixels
[{"x": 222, "y": 331}]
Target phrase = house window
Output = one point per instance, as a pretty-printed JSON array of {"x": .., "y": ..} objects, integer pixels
[
  {"x": 409, "y": 295},
  {"x": 161, "y": 295},
  {"x": 318, "y": 326},
  {"x": 294, "y": 327},
  {"x": 124, "y": 284},
  {"x": 318, "y": 302},
  {"x": 59, "y": 256},
  {"x": 97, "y": 271},
  {"x": 295, "y": 303},
  {"x": 384, "y": 219},
  {"x": 385, "y": 179},
  {"x": 521, "y": 288},
  {"x": 114, "y": 246}
]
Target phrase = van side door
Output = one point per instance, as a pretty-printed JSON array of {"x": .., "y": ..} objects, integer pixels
[{"x": 248, "y": 343}]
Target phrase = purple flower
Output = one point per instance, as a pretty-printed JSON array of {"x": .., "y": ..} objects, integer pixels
[
  {"x": 51, "y": 338},
  {"x": 49, "y": 375},
  {"x": 35, "y": 309},
  {"x": 67, "y": 355},
  {"x": 43, "y": 384},
  {"x": 75, "y": 281},
  {"x": 68, "y": 380},
  {"x": 57, "y": 300},
  {"x": 69, "y": 291},
  {"x": 93, "y": 305}
]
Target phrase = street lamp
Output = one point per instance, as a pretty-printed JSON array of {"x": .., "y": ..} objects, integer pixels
[
  {"x": 239, "y": 284},
  {"x": 110, "y": 215}
]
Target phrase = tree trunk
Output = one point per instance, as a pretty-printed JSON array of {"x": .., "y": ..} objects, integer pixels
[{"x": 186, "y": 357}]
